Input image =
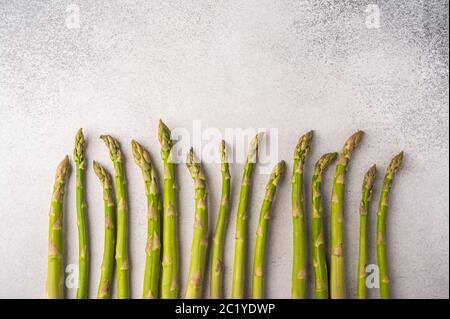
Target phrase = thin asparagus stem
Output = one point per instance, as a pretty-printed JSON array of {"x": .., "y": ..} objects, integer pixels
[
  {"x": 240, "y": 253},
  {"x": 170, "y": 265},
  {"x": 299, "y": 268},
  {"x": 83, "y": 240},
  {"x": 383, "y": 262},
  {"x": 107, "y": 270},
  {"x": 367, "y": 188},
  {"x": 217, "y": 265},
  {"x": 337, "y": 271},
  {"x": 261, "y": 234},
  {"x": 318, "y": 238},
  {"x": 200, "y": 238},
  {"x": 153, "y": 246},
  {"x": 123, "y": 285},
  {"x": 55, "y": 276}
]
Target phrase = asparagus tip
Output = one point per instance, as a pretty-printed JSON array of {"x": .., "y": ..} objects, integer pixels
[
  {"x": 63, "y": 167},
  {"x": 113, "y": 146},
  {"x": 281, "y": 167},
  {"x": 136, "y": 149},
  {"x": 223, "y": 152},
  {"x": 190, "y": 157},
  {"x": 141, "y": 156},
  {"x": 98, "y": 169},
  {"x": 107, "y": 139},
  {"x": 325, "y": 161},
  {"x": 303, "y": 146},
  {"x": 351, "y": 143},
  {"x": 78, "y": 152},
  {"x": 355, "y": 139},
  {"x": 253, "y": 148},
  {"x": 164, "y": 136},
  {"x": 79, "y": 136},
  {"x": 395, "y": 164},
  {"x": 277, "y": 172},
  {"x": 193, "y": 164},
  {"x": 258, "y": 137},
  {"x": 369, "y": 178}
]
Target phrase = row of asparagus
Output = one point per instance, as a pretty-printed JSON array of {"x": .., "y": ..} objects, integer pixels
[{"x": 162, "y": 247}]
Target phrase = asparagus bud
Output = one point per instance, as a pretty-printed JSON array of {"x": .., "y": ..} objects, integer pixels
[
  {"x": 298, "y": 218},
  {"x": 153, "y": 246},
  {"x": 107, "y": 270},
  {"x": 263, "y": 228},
  {"x": 123, "y": 285},
  {"x": 55, "y": 276},
  {"x": 383, "y": 262}
]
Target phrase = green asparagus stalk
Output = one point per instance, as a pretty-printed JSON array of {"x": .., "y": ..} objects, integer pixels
[
  {"x": 337, "y": 272},
  {"x": 298, "y": 218},
  {"x": 318, "y": 239},
  {"x": 55, "y": 276},
  {"x": 123, "y": 289},
  {"x": 107, "y": 270},
  {"x": 83, "y": 242},
  {"x": 219, "y": 233},
  {"x": 383, "y": 263},
  {"x": 170, "y": 265},
  {"x": 369, "y": 179},
  {"x": 261, "y": 234},
  {"x": 153, "y": 247},
  {"x": 200, "y": 239},
  {"x": 240, "y": 252}
]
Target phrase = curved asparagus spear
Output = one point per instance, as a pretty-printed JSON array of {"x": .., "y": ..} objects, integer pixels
[
  {"x": 153, "y": 247},
  {"x": 318, "y": 239},
  {"x": 83, "y": 242},
  {"x": 383, "y": 263},
  {"x": 55, "y": 276},
  {"x": 123, "y": 286},
  {"x": 261, "y": 234},
  {"x": 170, "y": 266},
  {"x": 298, "y": 218},
  {"x": 107, "y": 270},
  {"x": 369, "y": 179},
  {"x": 337, "y": 271},
  {"x": 200, "y": 238},
  {"x": 240, "y": 252},
  {"x": 219, "y": 233}
]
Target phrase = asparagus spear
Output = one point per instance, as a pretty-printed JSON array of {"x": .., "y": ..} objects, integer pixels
[
  {"x": 153, "y": 247},
  {"x": 170, "y": 267},
  {"x": 261, "y": 234},
  {"x": 337, "y": 272},
  {"x": 200, "y": 239},
  {"x": 123, "y": 289},
  {"x": 55, "y": 276},
  {"x": 369, "y": 179},
  {"x": 298, "y": 218},
  {"x": 107, "y": 270},
  {"x": 83, "y": 242},
  {"x": 383, "y": 263},
  {"x": 219, "y": 234},
  {"x": 240, "y": 252},
  {"x": 318, "y": 240}
]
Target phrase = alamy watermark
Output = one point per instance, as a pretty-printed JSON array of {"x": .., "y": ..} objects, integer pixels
[
  {"x": 72, "y": 19},
  {"x": 71, "y": 276},
  {"x": 373, "y": 277},
  {"x": 373, "y": 16},
  {"x": 206, "y": 141}
]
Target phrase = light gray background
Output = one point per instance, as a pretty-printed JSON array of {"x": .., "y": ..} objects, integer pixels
[{"x": 292, "y": 65}]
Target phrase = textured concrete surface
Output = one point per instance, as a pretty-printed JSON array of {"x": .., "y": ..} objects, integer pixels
[{"x": 331, "y": 66}]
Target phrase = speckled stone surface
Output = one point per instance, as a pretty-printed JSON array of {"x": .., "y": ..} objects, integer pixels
[{"x": 325, "y": 65}]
